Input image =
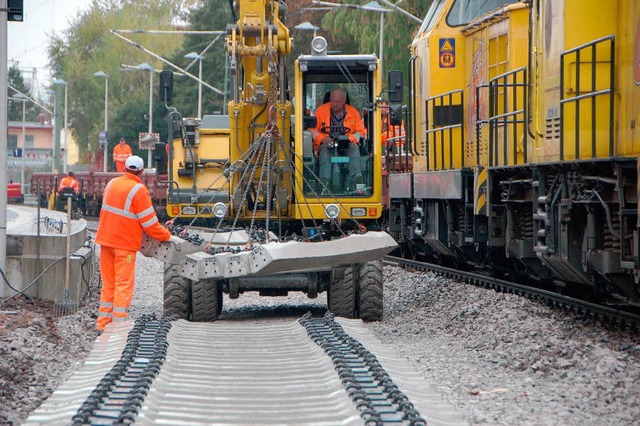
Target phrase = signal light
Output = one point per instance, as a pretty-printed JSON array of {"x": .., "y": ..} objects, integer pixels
[{"x": 373, "y": 211}]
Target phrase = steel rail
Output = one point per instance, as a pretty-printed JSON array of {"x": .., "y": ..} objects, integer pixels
[{"x": 603, "y": 313}]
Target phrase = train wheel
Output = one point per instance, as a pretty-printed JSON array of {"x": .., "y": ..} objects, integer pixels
[
  {"x": 206, "y": 299},
  {"x": 371, "y": 290},
  {"x": 176, "y": 293},
  {"x": 341, "y": 296}
]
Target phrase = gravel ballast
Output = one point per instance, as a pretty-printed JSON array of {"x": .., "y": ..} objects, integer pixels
[{"x": 498, "y": 358}]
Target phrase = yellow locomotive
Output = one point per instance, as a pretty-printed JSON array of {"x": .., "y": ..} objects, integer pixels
[{"x": 523, "y": 127}]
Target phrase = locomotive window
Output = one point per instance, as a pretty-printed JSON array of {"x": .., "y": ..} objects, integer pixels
[
  {"x": 464, "y": 11},
  {"x": 432, "y": 15}
]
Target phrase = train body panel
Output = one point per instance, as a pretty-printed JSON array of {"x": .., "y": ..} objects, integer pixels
[{"x": 526, "y": 147}]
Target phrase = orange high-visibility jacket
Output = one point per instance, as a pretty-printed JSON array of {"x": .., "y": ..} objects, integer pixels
[
  {"x": 121, "y": 153},
  {"x": 392, "y": 132},
  {"x": 127, "y": 212},
  {"x": 69, "y": 182},
  {"x": 352, "y": 120}
]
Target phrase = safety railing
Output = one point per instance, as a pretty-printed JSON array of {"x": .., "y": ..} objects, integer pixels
[
  {"x": 507, "y": 118},
  {"x": 445, "y": 130},
  {"x": 592, "y": 55}
]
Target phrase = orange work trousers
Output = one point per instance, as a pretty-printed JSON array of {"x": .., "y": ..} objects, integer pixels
[
  {"x": 117, "y": 268},
  {"x": 120, "y": 166}
]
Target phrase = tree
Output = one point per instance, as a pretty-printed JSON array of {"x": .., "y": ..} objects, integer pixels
[
  {"x": 87, "y": 46},
  {"x": 358, "y": 31},
  {"x": 32, "y": 111},
  {"x": 212, "y": 15}
]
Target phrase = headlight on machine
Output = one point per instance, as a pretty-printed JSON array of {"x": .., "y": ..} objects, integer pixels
[
  {"x": 205, "y": 210},
  {"x": 331, "y": 211},
  {"x": 189, "y": 210},
  {"x": 220, "y": 210},
  {"x": 358, "y": 211}
]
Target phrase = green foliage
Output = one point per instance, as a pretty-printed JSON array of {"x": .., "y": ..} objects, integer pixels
[
  {"x": 32, "y": 111},
  {"x": 358, "y": 31},
  {"x": 212, "y": 15},
  {"x": 87, "y": 46}
]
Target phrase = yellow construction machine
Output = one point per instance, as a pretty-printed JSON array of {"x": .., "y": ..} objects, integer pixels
[{"x": 245, "y": 188}]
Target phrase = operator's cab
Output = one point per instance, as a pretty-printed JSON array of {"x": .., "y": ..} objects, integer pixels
[{"x": 356, "y": 75}]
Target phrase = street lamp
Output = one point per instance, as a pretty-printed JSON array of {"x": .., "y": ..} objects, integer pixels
[
  {"x": 104, "y": 75},
  {"x": 375, "y": 7},
  {"x": 66, "y": 124},
  {"x": 307, "y": 26},
  {"x": 199, "y": 58},
  {"x": 372, "y": 6},
  {"x": 145, "y": 66},
  {"x": 22, "y": 98}
]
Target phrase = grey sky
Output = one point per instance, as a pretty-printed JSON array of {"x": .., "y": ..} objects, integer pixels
[{"x": 28, "y": 40}]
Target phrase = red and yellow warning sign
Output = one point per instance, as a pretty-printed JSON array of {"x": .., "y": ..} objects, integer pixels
[{"x": 447, "y": 52}]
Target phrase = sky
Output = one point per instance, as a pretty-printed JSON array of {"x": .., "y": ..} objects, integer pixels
[{"x": 28, "y": 40}]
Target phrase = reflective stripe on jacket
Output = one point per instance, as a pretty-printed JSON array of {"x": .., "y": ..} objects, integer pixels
[
  {"x": 69, "y": 182},
  {"x": 121, "y": 153},
  {"x": 352, "y": 120},
  {"x": 127, "y": 212}
]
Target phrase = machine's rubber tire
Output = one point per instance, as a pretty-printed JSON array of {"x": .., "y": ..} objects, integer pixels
[
  {"x": 370, "y": 298},
  {"x": 341, "y": 296},
  {"x": 176, "y": 293},
  {"x": 206, "y": 300}
]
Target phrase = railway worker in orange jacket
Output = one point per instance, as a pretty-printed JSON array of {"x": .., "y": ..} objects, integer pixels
[
  {"x": 126, "y": 213},
  {"x": 69, "y": 182},
  {"x": 390, "y": 131},
  {"x": 121, "y": 152},
  {"x": 332, "y": 116}
]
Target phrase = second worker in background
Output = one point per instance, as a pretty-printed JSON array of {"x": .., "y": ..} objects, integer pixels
[{"x": 121, "y": 152}]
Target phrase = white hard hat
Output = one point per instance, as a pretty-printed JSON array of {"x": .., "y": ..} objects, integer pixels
[{"x": 134, "y": 163}]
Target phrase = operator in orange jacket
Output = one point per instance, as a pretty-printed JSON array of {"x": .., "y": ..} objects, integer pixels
[
  {"x": 121, "y": 152},
  {"x": 336, "y": 113},
  {"x": 126, "y": 213},
  {"x": 390, "y": 131},
  {"x": 69, "y": 182}
]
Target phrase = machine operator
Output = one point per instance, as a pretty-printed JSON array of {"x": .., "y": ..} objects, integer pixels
[{"x": 337, "y": 117}]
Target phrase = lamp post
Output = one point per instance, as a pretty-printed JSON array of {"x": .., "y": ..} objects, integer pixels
[
  {"x": 22, "y": 98},
  {"x": 308, "y": 26},
  {"x": 375, "y": 6},
  {"x": 145, "y": 66},
  {"x": 106, "y": 113},
  {"x": 199, "y": 58},
  {"x": 66, "y": 125},
  {"x": 372, "y": 6}
]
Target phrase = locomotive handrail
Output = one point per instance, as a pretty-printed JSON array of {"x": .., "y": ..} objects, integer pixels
[
  {"x": 498, "y": 86},
  {"x": 592, "y": 94},
  {"x": 432, "y": 102}
]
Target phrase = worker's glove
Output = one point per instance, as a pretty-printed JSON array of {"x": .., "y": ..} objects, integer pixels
[{"x": 177, "y": 241}]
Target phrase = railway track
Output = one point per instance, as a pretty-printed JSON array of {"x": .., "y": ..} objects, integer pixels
[
  {"x": 314, "y": 371},
  {"x": 606, "y": 314}
]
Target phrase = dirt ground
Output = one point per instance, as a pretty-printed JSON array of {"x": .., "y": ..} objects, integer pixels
[{"x": 38, "y": 350}]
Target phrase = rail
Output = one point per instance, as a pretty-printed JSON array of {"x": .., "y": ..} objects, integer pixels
[{"x": 607, "y": 314}]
